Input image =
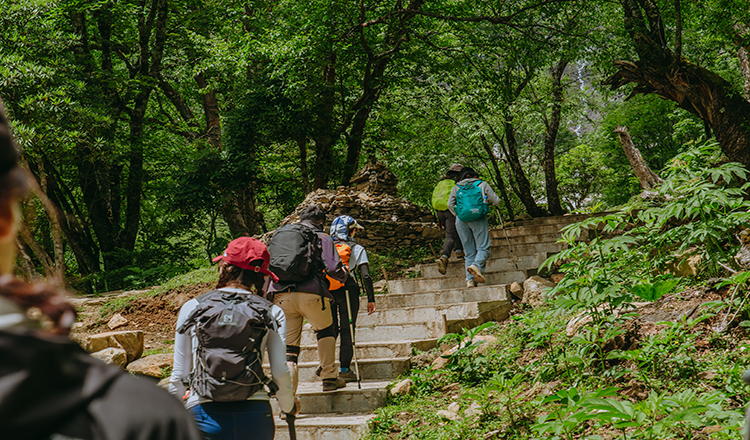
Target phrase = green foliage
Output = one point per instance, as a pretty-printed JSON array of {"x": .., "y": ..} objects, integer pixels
[{"x": 470, "y": 366}]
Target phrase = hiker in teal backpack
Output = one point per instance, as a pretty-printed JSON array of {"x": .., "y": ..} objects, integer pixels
[
  {"x": 469, "y": 201},
  {"x": 447, "y": 219}
]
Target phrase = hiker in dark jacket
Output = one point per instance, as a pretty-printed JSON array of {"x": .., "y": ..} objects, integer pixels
[
  {"x": 343, "y": 229},
  {"x": 49, "y": 387},
  {"x": 310, "y": 300},
  {"x": 475, "y": 234},
  {"x": 447, "y": 219},
  {"x": 243, "y": 269}
]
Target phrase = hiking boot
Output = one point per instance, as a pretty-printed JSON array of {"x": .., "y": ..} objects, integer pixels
[
  {"x": 476, "y": 273},
  {"x": 471, "y": 283},
  {"x": 460, "y": 255},
  {"x": 318, "y": 370},
  {"x": 442, "y": 264},
  {"x": 348, "y": 376},
  {"x": 333, "y": 384}
]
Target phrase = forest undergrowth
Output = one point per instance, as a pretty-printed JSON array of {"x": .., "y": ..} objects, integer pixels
[{"x": 590, "y": 365}]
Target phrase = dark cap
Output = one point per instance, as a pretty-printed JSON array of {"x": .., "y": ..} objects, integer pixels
[
  {"x": 248, "y": 253},
  {"x": 467, "y": 171}
]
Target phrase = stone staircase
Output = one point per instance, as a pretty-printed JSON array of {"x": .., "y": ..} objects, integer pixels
[{"x": 413, "y": 315}]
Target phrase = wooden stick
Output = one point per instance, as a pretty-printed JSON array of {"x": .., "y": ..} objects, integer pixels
[
  {"x": 385, "y": 274},
  {"x": 434, "y": 255}
]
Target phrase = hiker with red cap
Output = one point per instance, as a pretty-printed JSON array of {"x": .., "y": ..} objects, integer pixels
[
  {"x": 219, "y": 344},
  {"x": 301, "y": 255},
  {"x": 446, "y": 218},
  {"x": 51, "y": 388}
]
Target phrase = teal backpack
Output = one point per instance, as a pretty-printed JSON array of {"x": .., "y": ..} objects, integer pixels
[{"x": 470, "y": 204}]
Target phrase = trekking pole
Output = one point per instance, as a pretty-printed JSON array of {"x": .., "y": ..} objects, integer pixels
[
  {"x": 351, "y": 334},
  {"x": 290, "y": 421}
]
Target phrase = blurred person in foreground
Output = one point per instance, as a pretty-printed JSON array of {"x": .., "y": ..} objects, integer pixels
[{"x": 49, "y": 387}]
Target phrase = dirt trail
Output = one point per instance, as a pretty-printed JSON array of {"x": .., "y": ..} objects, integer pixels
[{"x": 155, "y": 316}]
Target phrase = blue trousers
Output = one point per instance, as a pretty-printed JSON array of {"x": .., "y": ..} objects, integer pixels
[
  {"x": 235, "y": 420},
  {"x": 475, "y": 237}
]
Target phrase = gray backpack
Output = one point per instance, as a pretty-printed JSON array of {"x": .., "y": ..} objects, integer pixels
[{"x": 230, "y": 328}]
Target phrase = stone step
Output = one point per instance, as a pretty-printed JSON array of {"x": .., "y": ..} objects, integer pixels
[
  {"x": 374, "y": 350},
  {"x": 532, "y": 229},
  {"x": 345, "y": 400},
  {"x": 391, "y": 332},
  {"x": 409, "y": 285},
  {"x": 562, "y": 220},
  {"x": 497, "y": 238},
  {"x": 450, "y": 318},
  {"x": 338, "y": 426},
  {"x": 493, "y": 265},
  {"x": 501, "y": 249},
  {"x": 369, "y": 369},
  {"x": 445, "y": 296},
  {"x": 452, "y": 312}
]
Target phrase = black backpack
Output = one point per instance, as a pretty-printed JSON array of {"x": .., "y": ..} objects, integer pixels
[
  {"x": 296, "y": 254},
  {"x": 230, "y": 328}
]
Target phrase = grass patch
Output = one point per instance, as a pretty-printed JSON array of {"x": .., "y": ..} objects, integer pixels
[{"x": 197, "y": 276}]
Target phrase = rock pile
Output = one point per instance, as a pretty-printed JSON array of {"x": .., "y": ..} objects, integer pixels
[
  {"x": 375, "y": 178},
  {"x": 388, "y": 220}
]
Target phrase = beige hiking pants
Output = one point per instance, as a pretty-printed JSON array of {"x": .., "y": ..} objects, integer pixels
[{"x": 297, "y": 307}]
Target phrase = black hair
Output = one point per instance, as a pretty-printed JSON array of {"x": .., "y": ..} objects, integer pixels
[
  {"x": 467, "y": 172},
  {"x": 313, "y": 213}
]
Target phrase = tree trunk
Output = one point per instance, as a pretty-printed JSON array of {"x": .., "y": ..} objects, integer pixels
[
  {"x": 550, "y": 137},
  {"x": 302, "y": 146},
  {"x": 211, "y": 112},
  {"x": 498, "y": 176},
  {"x": 524, "y": 187},
  {"x": 648, "y": 179},
  {"x": 692, "y": 87}
]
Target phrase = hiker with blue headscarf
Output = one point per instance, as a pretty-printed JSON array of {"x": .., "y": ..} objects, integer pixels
[{"x": 354, "y": 256}]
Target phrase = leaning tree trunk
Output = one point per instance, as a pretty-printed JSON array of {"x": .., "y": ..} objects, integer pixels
[
  {"x": 524, "y": 187},
  {"x": 550, "y": 138},
  {"x": 662, "y": 71},
  {"x": 648, "y": 179}
]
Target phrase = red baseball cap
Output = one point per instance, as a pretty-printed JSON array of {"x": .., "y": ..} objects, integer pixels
[{"x": 248, "y": 253}]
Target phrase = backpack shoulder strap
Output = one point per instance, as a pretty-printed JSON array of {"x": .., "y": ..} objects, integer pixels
[{"x": 191, "y": 320}]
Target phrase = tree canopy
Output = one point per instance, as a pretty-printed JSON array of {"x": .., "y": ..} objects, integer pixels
[{"x": 158, "y": 130}]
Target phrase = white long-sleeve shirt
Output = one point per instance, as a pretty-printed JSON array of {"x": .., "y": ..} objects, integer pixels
[{"x": 185, "y": 358}]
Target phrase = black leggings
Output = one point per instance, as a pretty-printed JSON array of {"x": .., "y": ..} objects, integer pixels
[
  {"x": 452, "y": 241},
  {"x": 341, "y": 319}
]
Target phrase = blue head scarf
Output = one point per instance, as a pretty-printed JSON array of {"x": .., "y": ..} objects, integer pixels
[{"x": 340, "y": 228}]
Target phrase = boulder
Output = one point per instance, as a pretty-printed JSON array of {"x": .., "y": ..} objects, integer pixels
[
  {"x": 474, "y": 410},
  {"x": 131, "y": 341},
  {"x": 402, "y": 388},
  {"x": 534, "y": 289},
  {"x": 117, "y": 321},
  {"x": 516, "y": 290},
  {"x": 112, "y": 355},
  {"x": 448, "y": 415},
  {"x": 556, "y": 277},
  {"x": 441, "y": 361},
  {"x": 154, "y": 365},
  {"x": 684, "y": 265}
]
